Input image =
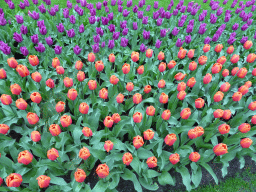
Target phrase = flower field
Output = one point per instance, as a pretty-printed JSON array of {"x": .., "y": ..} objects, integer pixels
[{"x": 111, "y": 90}]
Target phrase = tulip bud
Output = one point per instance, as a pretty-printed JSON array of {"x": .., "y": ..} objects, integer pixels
[
  {"x": 137, "y": 98},
  {"x": 50, "y": 83},
  {"x": 22, "y": 70},
  {"x": 137, "y": 117},
  {"x": 80, "y": 175},
  {"x": 102, "y": 170},
  {"x": 225, "y": 73},
  {"x": 135, "y": 56},
  {"x": 12, "y": 62},
  {"x": 207, "y": 78},
  {"x": 126, "y": 68},
  {"x": 194, "y": 156},
  {"x": 202, "y": 60},
  {"x": 152, "y": 162},
  {"x": 138, "y": 142},
  {"x": 242, "y": 72},
  {"x": 92, "y": 84},
  {"x": 181, "y": 95},
  {"x": 246, "y": 142},
  {"x": 6, "y": 99},
  {"x": 4, "y": 129},
  {"x": 252, "y": 106},
  {"x": 36, "y": 76},
  {"x": 222, "y": 60},
  {"x": 185, "y": 113},
  {"x": 161, "y": 84},
  {"x": 149, "y": 53},
  {"x": 60, "y": 70},
  {"x": 116, "y": 117},
  {"x": 150, "y": 111},
  {"x": 162, "y": 67},
  {"x": 108, "y": 146},
  {"x": 140, "y": 70},
  {"x": 235, "y": 58},
  {"x": 191, "y": 53},
  {"x": 43, "y": 181},
  {"x": 243, "y": 89},
  {"x": 218, "y": 48},
  {"x": 32, "y": 118},
  {"x": 148, "y": 134},
  {"x": 244, "y": 128},
  {"x": 248, "y": 84},
  {"x": 79, "y": 65},
  {"x": 55, "y": 129},
  {"x": 113, "y": 80},
  {"x": 218, "y": 113},
  {"x": 171, "y": 64},
  {"x": 191, "y": 82},
  {"x": 224, "y": 128},
  {"x": 253, "y": 119},
  {"x": 163, "y": 98},
  {"x": 234, "y": 71},
  {"x": 251, "y": 58},
  {"x": 160, "y": 56},
  {"x": 182, "y": 53},
  {"x": 120, "y": 98},
  {"x": 55, "y": 62},
  {"x": 60, "y": 106},
  {"x": 72, "y": 94},
  {"x": 80, "y": 76},
  {"x": 33, "y": 60},
  {"x": 65, "y": 120},
  {"x": 174, "y": 158},
  {"x": 68, "y": 82},
  {"x": 248, "y": 44},
  {"x": 36, "y": 97},
  {"x": 166, "y": 114},
  {"x": 220, "y": 149},
  {"x": 91, "y": 57},
  {"x": 15, "y": 89},
  {"x": 25, "y": 157},
  {"x": 216, "y": 68},
  {"x": 111, "y": 58},
  {"x": 99, "y": 66},
  {"x": 226, "y": 114},
  {"x": 237, "y": 96},
  {"x": 206, "y": 48},
  {"x": 87, "y": 132},
  {"x": 127, "y": 158},
  {"x": 230, "y": 49},
  {"x": 13, "y": 180},
  {"x": 35, "y": 136},
  {"x": 103, "y": 93},
  {"x": 192, "y": 134},
  {"x": 83, "y": 108},
  {"x": 218, "y": 96},
  {"x": 108, "y": 121},
  {"x": 170, "y": 139},
  {"x": 192, "y": 66},
  {"x": 129, "y": 86},
  {"x": 84, "y": 153},
  {"x": 147, "y": 89},
  {"x": 2, "y": 73},
  {"x": 52, "y": 154},
  {"x": 199, "y": 103}
]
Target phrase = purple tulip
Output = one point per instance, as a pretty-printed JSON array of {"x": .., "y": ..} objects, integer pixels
[
  {"x": 34, "y": 15},
  {"x": 49, "y": 40},
  {"x": 52, "y": 11},
  {"x": 5, "y": 48},
  {"x": 188, "y": 39},
  {"x": 93, "y": 12},
  {"x": 249, "y": 22},
  {"x": 119, "y": 2},
  {"x": 175, "y": 31},
  {"x": 77, "y": 50},
  {"x": 225, "y": 2},
  {"x": 17, "y": 37},
  {"x": 120, "y": 8},
  {"x": 98, "y": 6},
  {"x": 111, "y": 16},
  {"x": 250, "y": 15},
  {"x": 215, "y": 37},
  {"x": 168, "y": 15},
  {"x": 189, "y": 9},
  {"x": 143, "y": 48},
  {"x": 104, "y": 20},
  {"x": 253, "y": 8},
  {"x": 95, "y": 48},
  {"x": 78, "y": 1},
  {"x": 58, "y": 50},
  {"x": 235, "y": 26},
  {"x": 135, "y": 9},
  {"x": 96, "y": 38},
  {"x": 11, "y": 5},
  {"x": 71, "y": 33},
  {"x": 148, "y": 8},
  {"x": 140, "y": 14},
  {"x": 81, "y": 28},
  {"x": 156, "y": 5},
  {"x": 103, "y": 44},
  {"x": 135, "y": 25},
  {"x": 179, "y": 43},
  {"x": 156, "y": 15},
  {"x": 60, "y": 28},
  {"x": 233, "y": 34},
  {"x": 106, "y": 9},
  {"x": 23, "y": 29},
  {"x": 205, "y": 1},
  {"x": 227, "y": 18},
  {"x": 56, "y": 7},
  {"x": 22, "y": 5},
  {"x": 83, "y": 3},
  {"x": 34, "y": 38},
  {"x": 183, "y": 9},
  {"x": 207, "y": 40},
  {"x": 48, "y": 2},
  {"x": 125, "y": 31},
  {"x": 43, "y": 30},
  {"x": 72, "y": 19},
  {"x": 244, "y": 27},
  {"x": 105, "y": 3},
  {"x": 24, "y": 51},
  {"x": 92, "y": 19},
  {"x": 99, "y": 31},
  {"x": 169, "y": 7},
  {"x": 244, "y": 39},
  {"x": 145, "y": 20},
  {"x": 65, "y": 12},
  {"x": 123, "y": 24},
  {"x": 202, "y": 28},
  {"x": 69, "y": 5},
  {"x": 113, "y": 2},
  {"x": 116, "y": 35},
  {"x": 231, "y": 40},
  {"x": 89, "y": 6},
  {"x": 254, "y": 37},
  {"x": 201, "y": 17},
  {"x": 40, "y": 23},
  {"x": 181, "y": 23},
  {"x": 42, "y": 8},
  {"x": 129, "y": 3},
  {"x": 111, "y": 44},
  {"x": 140, "y": 4},
  {"x": 248, "y": 3},
  {"x": 146, "y": 34},
  {"x": 190, "y": 28},
  {"x": 80, "y": 11},
  {"x": 162, "y": 32},
  {"x": 159, "y": 22},
  {"x": 19, "y": 19},
  {"x": 126, "y": 13},
  {"x": 175, "y": 12},
  {"x": 215, "y": 6},
  {"x": 40, "y": 48},
  {"x": 124, "y": 42},
  {"x": 158, "y": 44}
]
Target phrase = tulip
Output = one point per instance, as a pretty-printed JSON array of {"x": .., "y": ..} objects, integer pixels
[
  {"x": 135, "y": 56},
  {"x": 152, "y": 162},
  {"x": 218, "y": 96},
  {"x": 194, "y": 156},
  {"x": 127, "y": 158},
  {"x": 163, "y": 98},
  {"x": 191, "y": 82},
  {"x": 237, "y": 96},
  {"x": 230, "y": 49},
  {"x": 180, "y": 76},
  {"x": 192, "y": 66},
  {"x": 102, "y": 170},
  {"x": 72, "y": 94},
  {"x": 92, "y": 84},
  {"x": 84, "y": 153},
  {"x": 60, "y": 106},
  {"x": 80, "y": 175},
  {"x": 149, "y": 53},
  {"x": 4, "y": 128},
  {"x": 25, "y": 157},
  {"x": 162, "y": 67},
  {"x": 108, "y": 146},
  {"x": 161, "y": 83},
  {"x": 140, "y": 70},
  {"x": 103, "y": 93},
  {"x": 148, "y": 134},
  {"x": 2, "y": 73},
  {"x": 52, "y": 154},
  {"x": 138, "y": 142},
  {"x": 199, "y": 103},
  {"x": 166, "y": 114},
  {"x": 22, "y": 70},
  {"x": 216, "y": 68},
  {"x": 235, "y": 58},
  {"x": 33, "y": 60},
  {"x": 222, "y": 60},
  {"x": 36, "y": 76},
  {"x": 79, "y": 65},
  {"x": 185, "y": 113},
  {"x": 137, "y": 117},
  {"x": 15, "y": 89},
  {"x": 12, "y": 62},
  {"x": 170, "y": 139},
  {"x": 202, "y": 60},
  {"x": 50, "y": 83},
  {"x": 60, "y": 70},
  {"x": 181, "y": 95},
  {"x": 13, "y": 180},
  {"x": 147, "y": 89},
  {"x": 108, "y": 121},
  {"x": 252, "y": 106},
  {"x": 206, "y": 48},
  {"x": 171, "y": 64},
  {"x": 160, "y": 56},
  {"x": 244, "y": 128},
  {"x": 129, "y": 86},
  {"x": 234, "y": 71},
  {"x": 226, "y": 114},
  {"x": 242, "y": 72},
  {"x": 246, "y": 142},
  {"x": 55, "y": 129},
  {"x": 220, "y": 149},
  {"x": 182, "y": 53},
  {"x": 99, "y": 66},
  {"x": 36, "y": 97},
  {"x": 80, "y": 76},
  {"x": 91, "y": 57},
  {"x": 218, "y": 48},
  {"x": 218, "y": 113},
  {"x": 87, "y": 132},
  {"x": 243, "y": 89},
  {"x": 43, "y": 181},
  {"x": 248, "y": 84},
  {"x": 65, "y": 120},
  {"x": 35, "y": 136},
  {"x": 248, "y": 44},
  {"x": 55, "y": 62},
  {"x": 251, "y": 58},
  {"x": 225, "y": 72},
  {"x": 120, "y": 98},
  {"x": 116, "y": 117},
  {"x": 150, "y": 111},
  {"x": 174, "y": 158},
  {"x": 32, "y": 118},
  {"x": 253, "y": 119},
  {"x": 224, "y": 128},
  {"x": 126, "y": 68}
]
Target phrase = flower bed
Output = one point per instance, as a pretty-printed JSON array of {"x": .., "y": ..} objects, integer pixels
[{"x": 85, "y": 92}]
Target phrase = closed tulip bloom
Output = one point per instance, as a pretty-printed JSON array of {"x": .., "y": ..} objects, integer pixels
[
  {"x": 79, "y": 65},
  {"x": 182, "y": 53},
  {"x": 108, "y": 146},
  {"x": 72, "y": 94},
  {"x": 199, "y": 103},
  {"x": 92, "y": 84},
  {"x": 60, "y": 70},
  {"x": 33, "y": 60},
  {"x": 102, "y": 170},
  {"x": 83, "y": 108},
  {"x": 113, "y": 80},
  {"x": 251, "y": 58},
  {"x": 149, "y": 53},
  {"x": 171, "y": 64},
  {"x": 148, "y": 134},
  {"x": 129, "y": 86},
  {"x": 111, "y": 58},
  {"x": 207, "y": 78},
  {"x": 55, "y": 129},
  {"x": 87, "y": 132},
  {"x": 234, "y": 59},
  {"x": 120, "y": 98},
  {"x": 160, "y": 56},
  {"x": 192, "y": 66},
  {"x": 80, "y": 76},
  {"x": 108, "y": 121},
  {"x": 246, "y": 142},
  {"x": 6, "y": 99},
  {"x": 243, "y": 89},
  {"x": 13, "y": 180},
  {"x": 137, "y": 98},
  {"x": 218, "y": 96},
  {"x": 43, "y": 181},
  {"x": 65, "y": 120},
  {"x": 253, "y": 119},
  {"x": 199, "y": 130},
  {"x": 50, "y": 83},
  {"x": 84, "y": 153},
  {"x": 221, "y": 60},
  {"x": 163, "y": 98},
  {"x": 60, "y": 106},
  {"x": 181, "y": 86},
  {"x": 244, "y": 128},
  {"x": 206, "y": 48},
  {"x": 192, "y": 134},
  {"x": 194, "y": 156},
  {"x": 91, "y": 57},
  {"x": 25, "y": 157},
  {"x": 36, "y": 76},
  {"x": 170, "y": 139},
  {"x": 55, "y": 62},
  {"x": 220, "y": 149},
  {"x": 216, "y": 68},
  {"x": 242, "y": 72},
  {"x": 36, "y": 97},
  {"x": 224, "y": 128},
  {"x": 218, "y": 48},
  {"x": 4, "y": 129},
  {"x": 254, "y": 72},
  {"x": 150, "y": 111},
  {"x": 135, "y": 56},
  {"x": 137, "y": 117},
  {"x": 116, "y": 117},
  {"x": 80, "y": 175},
  {"x": 161, "y": 83},
  {"x": 126, "y": 68},
  {"x": 68, "y": 82},
  {"x": 218, "y": 113},
  {"x": 152, "y": 162},
  {"x": 22, "y": 70},
  {"x": 127, "y": 158},
  {"x": 225, "y": 73},
  {"x": 191, "y": 53},
  {"x": 2, "y": 73},
  {"x": 138, "y": 142},
  {"x": 162, "y": 67},
  {"x": 237, "y": 96},
  {"x": 230, "y": 49},
  {"x": 234, "y": 71},
  {"x": 185, "y": 113},
  {"x": 202, "y": 60},
  {"x": 181, "y": 95},
  {"x": 248, "y": 84},
  {"x": 191, "y": 82},
  {"x": 140, "y": 70},
  {"x": 32, "y": 118},
  {"x": 248, "y": 44},
  {"x": 99, "y": 66},
  {"x": 21, "y": 104},
  {"x": 252, "y": 106},
  {"x": 35, "y": 136},
  {"x": 15, "y": 89},
  {"x": 52, "y": 154},
  {"x": 174, "y": 158},
  {"x": 12, "y": 62},
  {"x": 226, "y": 114},
  {"x": 103, "y": 93},
  {"x": 180, "y": 76},
  {"x": 147, "y": 89},
  {"x": 166, "y": 114}
]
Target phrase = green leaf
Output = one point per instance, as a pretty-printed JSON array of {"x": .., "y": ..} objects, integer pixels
[
  {"x": 143, "y": 153},
  {"x": 185, "y": 177},
  {"x": 136, "y": 164},
  {"x": 57, "y": 180},
  {"x": 197, "y": 176},
  {"x": 147, "y": 185},
  {"x": 166, "y": 178},
  {"x": 100, "y": 186},
  {"x": 209, "y": 169},
  {"x": 152, "y": 173},
  {"x": 242, "y": 162},
  {"x": 128, "y": 175},
  {"x": 115, "y": 180}
]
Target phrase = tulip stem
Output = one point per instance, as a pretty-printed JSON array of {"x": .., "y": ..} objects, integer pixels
[
  {"x": 124, "y": 79},
  {"x": 12, "y": 109},
  {"x": 134, "y": 109}
]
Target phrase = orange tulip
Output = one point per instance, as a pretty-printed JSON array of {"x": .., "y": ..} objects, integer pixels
[
  {"x": 2, "y": 73},
  {"x": 4, "y": 128},
  {"x": 135, "y": 56},
  {"x": 50, "y": 83},
  {"x": 6, "y": 99},
  {"x": 230, "y": 49},
  {"x": 120, "y": 98},
  {"x": 12, "y": 62},
  {"x": 248, "y": 44},
  {"x": 194, "y": 156},
  {"x": 65, "y": 120},
  {"x": 33, "y": 60},
  {"x": 160, "y": 56},
  {"x": 242, "y": 72},
  {"x": 102, "y": 170},
  {"x": 252, "y": 106},
  {"x": 15, "y": 89},
  {"x": 92, "y": 84},
  {"x": 218, "y": 96},
  {"x": 226, "y": 114},
  {"x": 137, "y": 117},
  {"x": 253, "y": 119},
  {"x": 55, "y": 129},
  {"x": 234, "y": 71},
  {"x": 126, "y": 68},
  {"x": 140, "y": 70},
  {"x": 251, "y": 58},
  {"x": 185, "y": 113},
  {"x": 22, "y": 70},
  {"x": 191, "y": 82},
  {"x": 80, "y": 76},
  {"x": 235, "y": 58},
  {"x": 237, "y": 96},
  {"x": 43, "y": 181},
  {"x": 72, "y": 94},
  {"x": 25, "y": 157},
  {"x": 166, "y": 114},
  {"x": 129, "y": 86},
  {"x": 170, "y": 139},
  {"x": 243, "y": 89},
  {"x": 80, "y": 175},
  {"x": 111, "y": 58},
  {"x": 246, "y": 142},
  {"x": 87, "y": 132},
  {"x": 103, "y": 93},
  {"x": 162, "y": 67},
  {"x": 199, "y": 103},
  {"x": 60, "y": 106},
  {"x": 174, "y": 158},
  {"x": 244, "y": 128},
  {"x": 108, "y": 121},
  {"x": 202, "y": 60},
  {"x": 116, "y": 117},
  {"x": 224, "y": 128},
  {"x": 161, "y": 84},
  {"x": 84, "y": 153},
  {"x": 99, "y": 66},
  {"x": 36, "y": 76},
  {"x": 149, "y": 53},
  {"x": 220, "y": 149},
  {"x": 225, "y": 87},
  {"x": 171, "y": 64},
  {"x": 182, "y": 53},
  {"x": 180, "y": 76},
  {"x": 52, "y": 154},
  {"x": 192, "y": 66},
  {"x": 35, "y": 136},
  {"x": 138, "y": 142},
  {"x": 181, "y": 95},
  {"x": 225, "y": 73},
  {"x": 108, "y": 146},
  {"x": 68, "y": 82},
  {"x": 222, "y": 60},
  {"x": 218, "y": 113},
  {"x": 152, "y": 162},
  {"x": 32, "y": 118},
  {"x": 191, "y": 53},
  {"x": 83, "y": 108},
  {"x": 113, "y": 80},
  {"x": 206, "y": 48},
  {"x": 36, "y": 97},
  {"x": 79, "y": 65},
  {"x": 150, "y": 111},
  {"x": 163, "y": 98},
  {"x": 148, "y": 134},
  {"x": 55, "y": 62},
  {"x": 60, "y": 70},
  {"x": 147, "y": 89},
  {"x": 127, "y": 158},
  {"x": 13, "y": 180},
  {"x": 216, "y": 68},
  {"x": 218, "y": 48},
  {"x": 91, "y": 57},
  {"x": 248, "y": 84}
]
